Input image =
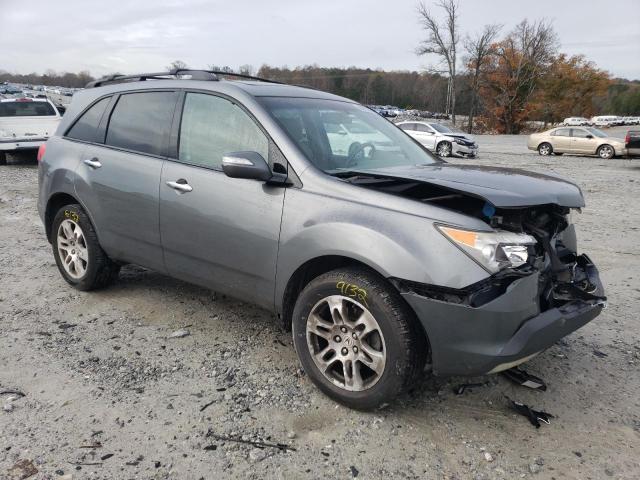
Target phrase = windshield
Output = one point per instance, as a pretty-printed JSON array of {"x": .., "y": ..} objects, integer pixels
[
  {"x": 26, "y": 109},
  {"x": 339, "y": 136},
  {"x": 597, "y": 133}
]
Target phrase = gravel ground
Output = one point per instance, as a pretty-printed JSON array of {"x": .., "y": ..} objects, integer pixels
[{"x": 109, "y": 393}]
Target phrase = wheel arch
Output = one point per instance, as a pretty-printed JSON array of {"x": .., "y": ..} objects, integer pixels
[
  {"x": 305, "y": 273},
  {"x": 317, "y": 266},
  {"x": 55, "y": 202}
]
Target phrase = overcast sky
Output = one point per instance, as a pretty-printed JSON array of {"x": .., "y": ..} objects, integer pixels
[{"x": 146, "y": 35}]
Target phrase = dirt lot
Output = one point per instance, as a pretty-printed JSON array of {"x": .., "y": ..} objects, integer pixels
[{"x": 109, "y": 393}]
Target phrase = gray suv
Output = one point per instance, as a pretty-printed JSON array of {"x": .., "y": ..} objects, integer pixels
[{"x": 383, "y": 260}]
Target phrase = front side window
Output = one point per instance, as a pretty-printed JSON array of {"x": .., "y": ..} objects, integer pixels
[
  {"x": 367, "y": 141},
  {"x": 441, "y": 128},
  {"x": 580, "y": 133},
  {"x": 26, "y": 108},
  {"x": 141, "y": 122},
  {"x": 86, "y": 127},
  {"x": 212, "y": 127}
]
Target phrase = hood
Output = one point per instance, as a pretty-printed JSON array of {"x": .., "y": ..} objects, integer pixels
[
  {"x": 459, "y": 135},
  {"x": 502, "y": 187}
]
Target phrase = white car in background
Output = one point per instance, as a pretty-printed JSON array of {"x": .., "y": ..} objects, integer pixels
[
  {"x": 605, "y": 120},
  {"x": 25, "y": 124},
  {"x": 348, "y": 136},
  {"x": 440, "y": 139},
  {"x": 576, "y": 121}
]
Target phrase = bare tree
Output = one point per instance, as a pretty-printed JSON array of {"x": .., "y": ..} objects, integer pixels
[
  {"x": 177, "y": 64},
  {"x": 246, "y": 69},
  {"x": 217, "y": 68},
  {"x": 479, "y": 49},
  {"x": 442, "y": 40}
]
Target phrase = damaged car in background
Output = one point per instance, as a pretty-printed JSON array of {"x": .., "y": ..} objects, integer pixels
[{"x": 379, "y": 257}]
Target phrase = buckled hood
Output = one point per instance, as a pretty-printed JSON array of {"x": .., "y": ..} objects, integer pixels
[{"x": 503, "y": 187}]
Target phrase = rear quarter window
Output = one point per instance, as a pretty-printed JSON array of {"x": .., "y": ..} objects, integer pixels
[
  {"x": 26, "y": 109},
  {"x": 86, "y": 127}
]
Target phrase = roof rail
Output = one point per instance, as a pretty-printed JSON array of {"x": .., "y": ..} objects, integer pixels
[{"x": 211, "y": 75}]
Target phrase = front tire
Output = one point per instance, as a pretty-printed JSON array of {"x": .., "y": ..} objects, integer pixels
[
  {"x": 545, "y": 149},
  {"x": 356, "y": 338},
  {"x": 79, "y": 256},
  {"x": 606, "y": 152},
  {"x": 444, "y": 149}
]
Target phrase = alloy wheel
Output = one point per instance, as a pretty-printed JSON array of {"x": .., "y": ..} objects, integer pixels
[
  {"x": 544, "y": 149},
  {"x": 72, "y": 248},
  {"x": 444, "y": 149},
  {"x": 346, "y": 343},
  {"x": 606, "y": 152}
]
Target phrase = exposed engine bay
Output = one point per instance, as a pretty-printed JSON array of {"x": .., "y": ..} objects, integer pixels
[{"x": 564, "y": 276}]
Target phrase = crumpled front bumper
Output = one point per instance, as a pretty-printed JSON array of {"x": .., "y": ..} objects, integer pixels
[
  {"x": 503, "y": 332},
  {"x": 465, "y": 151}
]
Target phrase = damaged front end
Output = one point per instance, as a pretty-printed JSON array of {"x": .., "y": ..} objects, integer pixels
[
  {"x": 563, "y": 275},
  {"x": 538, "y": 291}
]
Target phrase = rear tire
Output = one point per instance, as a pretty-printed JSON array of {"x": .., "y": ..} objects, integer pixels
[
  {"x": 79, "y": 256},
  {"x": 3, "y": 158},
  {"x": 545, "y": 149},
  {"x": 374, "y": 347}
]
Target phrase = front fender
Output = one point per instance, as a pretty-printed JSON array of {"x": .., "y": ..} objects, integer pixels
[{"x": 395, "y": 244}]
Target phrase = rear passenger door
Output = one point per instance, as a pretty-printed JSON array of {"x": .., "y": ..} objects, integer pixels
[
  {"x": 217, "y": 231},
  {"x": 561, "y": 140},
  {"x": 119, "y": 176}
]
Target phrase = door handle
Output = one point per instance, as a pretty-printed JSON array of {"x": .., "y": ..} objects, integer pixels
[
  {"x": 93, "y": 163},
  {"x": 181, "y": 186}
]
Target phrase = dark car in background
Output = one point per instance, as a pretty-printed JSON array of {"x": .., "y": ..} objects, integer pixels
[{"x": 632, "y": 143}]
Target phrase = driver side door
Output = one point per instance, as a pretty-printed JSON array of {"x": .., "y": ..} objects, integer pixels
[
  {"x": 217, "y": 231},
  {"x": 583, "y": 141},
  {"x": 426, "y": 136}
]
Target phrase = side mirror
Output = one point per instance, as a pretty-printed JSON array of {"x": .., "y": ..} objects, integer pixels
[
  {"x": 249, "y": 165},
  {"x": 589, "y": 136}
]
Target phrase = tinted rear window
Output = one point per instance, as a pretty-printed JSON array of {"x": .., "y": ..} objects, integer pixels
[
  {"x": 141, "y": 122},
  {"x": 26, "y": 109},
  {"x": 86, "y": 127}
]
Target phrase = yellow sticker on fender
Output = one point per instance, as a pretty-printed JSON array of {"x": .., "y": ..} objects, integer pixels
[{"x": 354, "y": 291}]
